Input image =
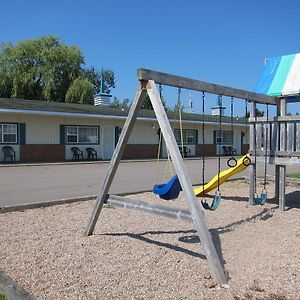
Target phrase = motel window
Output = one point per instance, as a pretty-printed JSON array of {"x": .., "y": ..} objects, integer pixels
[
  {"x": 223, "y": 137},
  {"x": 189, "y": 136},
  {"x": 8, "y": 133},
  {"x": 82, "y": 134}
]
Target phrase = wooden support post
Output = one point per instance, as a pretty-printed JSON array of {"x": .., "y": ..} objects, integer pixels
[
  {"x": 103, "y": 194},
  {"x": 280, "y": 170},
  {"x": 277, "y": 173},
  {"x": 281, "y": 184},
  {"x": 252, "y": 167},
  {"x": 186, "y": 184}
]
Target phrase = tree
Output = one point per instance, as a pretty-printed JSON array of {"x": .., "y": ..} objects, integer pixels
[
  {"x": 259, "y": 113},
  {"x": 115, "y": 103},
  {"x": 95, "y": 77},
  {"x": 80, "y": 91},
  {"x": 125, "y": 104},
  {"x": 45, "y": 68},
  {"x": 148, "y": 105},
  {"x": 177, "y": 107},
  {"x": 39, "y": 69},
  {"x": 109, "y": 80}
]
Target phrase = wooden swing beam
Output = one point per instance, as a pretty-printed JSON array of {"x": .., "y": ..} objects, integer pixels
[{"x": 197, "y": 85}]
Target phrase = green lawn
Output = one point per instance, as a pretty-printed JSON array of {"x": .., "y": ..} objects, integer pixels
[
  {"x": 296, "y": 175},
  {"x": 2, "y": 297}
]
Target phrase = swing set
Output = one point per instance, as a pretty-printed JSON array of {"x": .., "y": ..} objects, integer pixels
[
  {"x": 147, "y": 85},
  {"x": 171, "y": 189}
]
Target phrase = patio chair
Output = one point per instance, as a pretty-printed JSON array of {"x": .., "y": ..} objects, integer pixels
[
  {"x": 9, "y": 153},
  {"x": 77, "y": 154},
  {"x": 185, "y": 151},
  {"x": 91, "y": 154},
  {"x": 225, "y": 150},
  {"x": 231, "y": 151}
]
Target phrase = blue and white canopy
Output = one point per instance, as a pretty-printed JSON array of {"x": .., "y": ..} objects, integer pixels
[{"x": 281, "y": 76}]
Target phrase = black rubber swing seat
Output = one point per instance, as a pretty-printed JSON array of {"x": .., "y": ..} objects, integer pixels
[
  {"x": 214, "y": 205},
  {"x": 169, "y": 190}
]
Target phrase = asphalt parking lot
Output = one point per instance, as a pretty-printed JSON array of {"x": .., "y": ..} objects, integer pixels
[{"x": 25, "y": 184}]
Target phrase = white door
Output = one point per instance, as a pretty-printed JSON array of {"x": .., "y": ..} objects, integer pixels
[{"x": 108, "y": 142}]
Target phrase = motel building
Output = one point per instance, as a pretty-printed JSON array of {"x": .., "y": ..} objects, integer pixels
[{"x": 40, "y": 131}]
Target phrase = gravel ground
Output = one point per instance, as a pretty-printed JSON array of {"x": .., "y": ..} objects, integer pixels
[{"x": 133, "y": 255}]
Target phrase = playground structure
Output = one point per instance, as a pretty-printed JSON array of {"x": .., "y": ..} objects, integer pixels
[{"x": 282, "y": 147}]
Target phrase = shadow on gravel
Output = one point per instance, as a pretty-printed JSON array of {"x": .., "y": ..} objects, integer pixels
[
  {"x": 236, "y": 198},
  {"x": 292, "y": 200},
  {"x": 142, "y": 237},
  {"x": 191, "y": 236},
  {"x": 216, "y": 232}
]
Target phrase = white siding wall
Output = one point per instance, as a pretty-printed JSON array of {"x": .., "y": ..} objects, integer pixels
[
  {"x": 45, "y": 130},
  {"x": 209, "y": 134},
  {"x": 144, "y": 133}
]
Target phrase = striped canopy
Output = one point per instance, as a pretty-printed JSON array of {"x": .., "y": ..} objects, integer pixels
[{"x": 281, "y": 76}]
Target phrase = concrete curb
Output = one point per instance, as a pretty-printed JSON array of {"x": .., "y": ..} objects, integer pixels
[
  {"x": 6, "y": 209},
  {"x": 22, "y": 207},
  {"x": 12, "y": 290}
]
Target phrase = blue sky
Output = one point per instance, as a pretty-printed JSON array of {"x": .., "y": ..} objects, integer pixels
[{"x": 223, "y": 42}]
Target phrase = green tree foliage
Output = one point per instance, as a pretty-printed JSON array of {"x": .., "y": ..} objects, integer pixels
[
  {"x": 45, "y": 69},
  {"x": 148, "y": 105},
  {"x": 114, "y": 103},
  {"x": 126, "y": 103},
  {"x": 259, "y": 113},
  {"x": 80, "y": 91},
  {"x": 109, "y": 80},
  {"x": 178, "y": 108},
  {"x": 39, "y": 69},
  {"x": 95, "y": 78}
]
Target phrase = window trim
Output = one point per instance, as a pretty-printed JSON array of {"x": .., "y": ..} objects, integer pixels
[
  {"x": 81, "y": 143},
  {"x": 17, "y": 133}
]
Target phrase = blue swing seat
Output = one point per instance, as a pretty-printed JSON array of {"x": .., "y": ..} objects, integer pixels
[
  {"x": 169, "y": 190},
  {"x": 214, "y": 205},
  {"x": 261, "y": 200}
]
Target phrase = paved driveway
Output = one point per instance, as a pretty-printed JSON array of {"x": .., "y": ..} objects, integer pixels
[{"x": 22, "y": 184}]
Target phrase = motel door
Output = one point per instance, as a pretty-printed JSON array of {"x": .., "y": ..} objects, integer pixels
[{"x": 108, "y": 142}]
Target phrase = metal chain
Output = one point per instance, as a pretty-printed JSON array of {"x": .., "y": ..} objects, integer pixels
[
  {"x": 246, "y": 116},
  {"x": 266, "y": 148},
  {"x": 160, "y": 91},
  {"x": 159, "y": 142},
  {"x": 203, "y": 142},
  {"x": 255, "y": 151},
  {"x": 219, "y": 152},
  {"x": 180, "y": 121},
  {"x": 231, "y": 115}
]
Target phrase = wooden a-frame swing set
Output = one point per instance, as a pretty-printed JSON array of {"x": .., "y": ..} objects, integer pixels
[{"x": 147, "y": 85}]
